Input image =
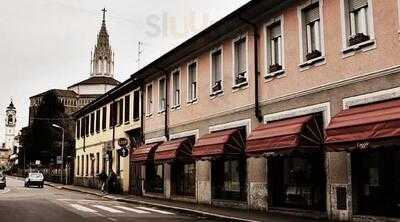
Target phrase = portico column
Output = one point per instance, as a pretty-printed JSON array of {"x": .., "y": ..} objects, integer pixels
[
  {"x": 257, "y": 183},
  {"x": 167, "y": 180},
  {"x": 203, "y": 181}
]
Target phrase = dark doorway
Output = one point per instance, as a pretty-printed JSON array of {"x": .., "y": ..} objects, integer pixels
[
  {"x": 376, "y": 181},
  {"x": 136, "y": 178},
  {"x": 298, "y": 181}
]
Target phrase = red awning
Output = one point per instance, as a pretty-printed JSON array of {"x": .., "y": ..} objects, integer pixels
[
  {"x": 299, "y": 132},
  {"x": 368, "y": 123},
  {"x": 174, "y": 149},
  {"x": 217, "y": 143},
  {"x": 144, "y": 152}
]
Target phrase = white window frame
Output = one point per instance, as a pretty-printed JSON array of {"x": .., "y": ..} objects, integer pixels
[
  {"x": 220, "y": 48},
  {"x": 345, "y": 28},
  {"x": 151, "y": 107},
  {"x": 195, "y": 133},
  {"x": 176, "y": 106},
  {"x": 303, "y": 61},
  {"x": 160, "y": 110},
  {"x": 232, "y": 125},
  {"x": 266, "y": 54},
  {"x": 246, "y": 75},
  {"x": 189, "y": 87}
]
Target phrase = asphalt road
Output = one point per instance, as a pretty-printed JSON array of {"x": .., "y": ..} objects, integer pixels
[{"x": 48, "y": 204}]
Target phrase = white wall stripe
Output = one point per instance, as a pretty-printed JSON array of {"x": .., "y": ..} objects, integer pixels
[{"x": 154, "y": 210}]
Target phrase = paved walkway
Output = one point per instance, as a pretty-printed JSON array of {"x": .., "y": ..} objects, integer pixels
[{"x": 219, "y": 213}]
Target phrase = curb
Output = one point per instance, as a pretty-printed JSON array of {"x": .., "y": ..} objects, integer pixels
[{"x": 180, "y": 209}]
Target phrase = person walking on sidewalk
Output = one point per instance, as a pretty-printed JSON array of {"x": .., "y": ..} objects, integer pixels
[{"x": 103, "y": 178}]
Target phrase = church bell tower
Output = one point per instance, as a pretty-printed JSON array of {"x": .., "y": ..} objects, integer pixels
[{"x": 10, "y": 123}]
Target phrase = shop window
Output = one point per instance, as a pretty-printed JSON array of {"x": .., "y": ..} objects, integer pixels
[
  {"x": 184, "y": 177},
  {"x": 83, "y": 166},
  {"x": 77, "y": 165},
  {"x": 298, "y": 181},
  {"x": 154, "y": 178},
  {"x": 229, "y": 178}
]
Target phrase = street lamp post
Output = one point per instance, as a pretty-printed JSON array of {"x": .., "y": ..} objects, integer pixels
[{"x": 62, "y": 150}]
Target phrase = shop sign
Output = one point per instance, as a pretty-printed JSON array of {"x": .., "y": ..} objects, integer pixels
[{"x": 123, "y": 142}]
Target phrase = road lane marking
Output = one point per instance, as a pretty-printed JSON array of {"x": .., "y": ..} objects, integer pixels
[
  {"x": 132, "y": 210},
  {"x": 109, "y": 209},
  {"x": 82, "y": 208},
  {"x": 154, "y": 210}
]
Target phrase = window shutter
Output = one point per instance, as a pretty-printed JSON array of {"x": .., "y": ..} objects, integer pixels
[
  {"x": 275, "y": 30},
  {"x": 311, "y": 14},
  {"x": 357, "y": 4}
]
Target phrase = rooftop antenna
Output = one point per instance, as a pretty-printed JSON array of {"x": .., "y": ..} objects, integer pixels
[{"x": 140, "y": 51}]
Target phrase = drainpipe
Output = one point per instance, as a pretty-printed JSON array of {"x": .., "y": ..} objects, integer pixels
[
  {"x": 166, "y": 116},
  {"x": 257, "y": 111}
]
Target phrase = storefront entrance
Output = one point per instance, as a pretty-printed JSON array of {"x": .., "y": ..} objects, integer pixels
[
  {"x": 297, "y": 181},
  {"x": 183, "y": 178},
  {"x": 376, "y": 181}
]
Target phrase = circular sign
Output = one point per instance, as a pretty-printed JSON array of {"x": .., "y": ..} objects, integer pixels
[
  {"x": 123, "y": 152},
  {"x": 123, "y": 142}
]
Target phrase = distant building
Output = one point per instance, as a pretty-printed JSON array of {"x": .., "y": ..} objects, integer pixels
[{"x": 82, "y": 93}]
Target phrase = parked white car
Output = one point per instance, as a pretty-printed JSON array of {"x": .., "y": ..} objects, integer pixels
[{"x": 34, "y": 179}]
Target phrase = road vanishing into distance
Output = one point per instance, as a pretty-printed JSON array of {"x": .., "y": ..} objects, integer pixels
[{"x": 48, "y": 204}]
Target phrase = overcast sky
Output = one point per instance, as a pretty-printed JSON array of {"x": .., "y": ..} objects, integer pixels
[{"x": 46, "y": 44}]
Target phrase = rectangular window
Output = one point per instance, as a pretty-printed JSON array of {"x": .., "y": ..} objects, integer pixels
[
  {"x": 149, "y": 99},
  {"x": 274, "y": 47},
  {"x": 127, "y": 108},
  {"x": 97, "y": 163},
  {"x": 192, "y": 82},
  {"x": 136, "y": 105},
  {"x": 104, "y": 118},
  {"x": 357, "y": 13},
  {"x": 87, "y": 126},
  {"x": 113, "y": 114},
  {"x": 161, "y": 95},
  {"x": 176, "y": 89},
  {"x": 77, "y": 165},
  {"x": 83, "y": 166},
  {"x": 87, "y": 166},
  {"x": 240, "y": 66},
  {"x": 83, "y": 126},
  {"x": 98, "y": 120},
  {"x": 78, "y": 129},
  {"x": 216, "y": 71},
  {"x": 91, "y": 123},
  {"x": 311, "y": 31},
  {"x": 120, "y": 111}
]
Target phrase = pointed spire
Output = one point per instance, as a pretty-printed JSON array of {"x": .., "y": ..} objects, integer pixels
[{"x": 11, "y": 106}]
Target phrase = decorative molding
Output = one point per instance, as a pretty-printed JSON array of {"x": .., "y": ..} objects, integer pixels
[
  {"x": 231, "y": 125},
  {"x": 195, "y": 133},
  {"x": 336, "y": 84},
  {"x": 325, "y": 108},
  {"x": 371, "y": 97},
  {"x": 155, "y": 140}
]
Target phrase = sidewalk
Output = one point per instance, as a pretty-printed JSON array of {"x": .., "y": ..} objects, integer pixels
[{"x": 204, "y": 210}]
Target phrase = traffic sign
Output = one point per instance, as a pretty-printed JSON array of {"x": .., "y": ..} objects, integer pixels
[{"x": 123, "y": 152}]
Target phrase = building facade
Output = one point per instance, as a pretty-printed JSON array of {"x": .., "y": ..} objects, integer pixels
[{"x": 281, "y": 106}]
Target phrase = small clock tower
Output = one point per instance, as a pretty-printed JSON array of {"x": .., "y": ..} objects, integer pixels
[{"x": 10, "y": 126}]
